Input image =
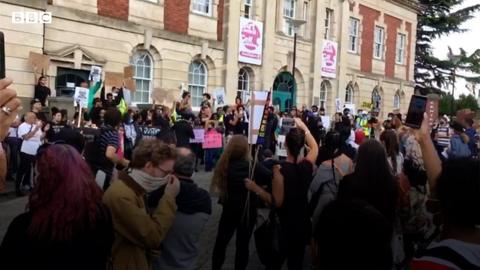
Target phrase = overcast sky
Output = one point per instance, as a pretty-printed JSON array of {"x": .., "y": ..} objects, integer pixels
[{"x": 469, "y": 41}]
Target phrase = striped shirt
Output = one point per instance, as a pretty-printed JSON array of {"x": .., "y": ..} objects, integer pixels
[
  {"x": 443, "y": 136},
  {"x": 108, "y": 137},
  {"x": 449, "y": 254}
]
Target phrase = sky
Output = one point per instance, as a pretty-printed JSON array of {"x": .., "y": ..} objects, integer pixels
[{"x": 469, "y": 41}]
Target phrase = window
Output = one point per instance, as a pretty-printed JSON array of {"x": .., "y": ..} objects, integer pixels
[
  {"x": 378, "y": 42},
  {"x": 323, "y": 94},
  {"x": 243, "y": 85},
  {"x": 400, "y": 56},
  {"x": 376, "y": 99},
  {"x": 396, "y": 101},
  {"x": 142, "y": 63},
  {"x": 202, "y": 6},
  {"x": 67, "y": 76},
  {"x": 353, "y": 35},
  {"x": 289, "y": 15},
  {"x": 349, "y": 94},
  {"x": 197, "y": 82},
  {"x": 328, "y": 23},
  {"x": 247, "y": 6}
]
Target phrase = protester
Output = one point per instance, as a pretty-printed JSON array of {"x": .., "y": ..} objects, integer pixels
[
  {"x": 289, "y": 195},
  {"x": 458, "y": 142},
  {"x": 36, "y": 108},
  {"x": 42, "y": 92},
  {"x": 132, "y": 132},
  {"x": 395, "y": 158},
  {"x": 14, "y": 142},
  {"x": 352, "y": 235},
  {"x": 66, "y": 225},
  {"x": 472, "y": 137},
  {"x": 206, "y": 100},
  {"x": 183, "y": 131},
  {"x": 333, "y": 165},
  {"x": 239, "y": 208},
  {"x": 102, "y": 156},
  {"x": 54, "y": 127},
  {"x": 457, "y": 187},
  {"x": 136, "y": 230},
  {"x": 180, "y": 247},
  {"x": 110, "y": 101},
  {"x": 271, "y": 127},
  {"x": 240, "y": 122},
  {"x": 31, "y": 133},
  {"x": 185, "y": 104}
]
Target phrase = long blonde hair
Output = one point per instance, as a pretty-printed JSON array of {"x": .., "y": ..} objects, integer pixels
[{"x": 236, "y": 149}]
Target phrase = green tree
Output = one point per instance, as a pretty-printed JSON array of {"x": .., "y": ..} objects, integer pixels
[
  {"x": 445, "y": 106},
  {"x": 463, "y": 102},
  {"x": 467, "y": 102},
  {"x": 437, "y": 18}
]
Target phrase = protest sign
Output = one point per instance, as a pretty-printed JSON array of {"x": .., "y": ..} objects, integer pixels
[
  {"x": 212, "y": 140},
  {"x": 285, "y": 125},
  {"x": 128, "y": 79},
  {"x": 81, "y": 97},
  {"x": 158, "y": 95},
  {"x": 326, "y": 122},
  {"x": 39, "y": 62},
  {"x": 220, "y": 97},
  {"x": 149, "y": 133},
  {"x": 128, "y": 72},
  {"x": 113, "y": 79},
  {"x": 256, "y": 108},
  {"x": 95, "y": 74},
  {"x": 263, "y": 124},
  {"x": 199, "y": 135}
]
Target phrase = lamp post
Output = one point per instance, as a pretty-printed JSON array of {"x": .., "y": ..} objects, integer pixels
[
  {"x": 455, "y": 60},
  {"x": 296, "y": 25}
]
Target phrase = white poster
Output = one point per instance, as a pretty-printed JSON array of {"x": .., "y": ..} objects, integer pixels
[
  {"x": 81, "y": 97},
  {"x": 250, "y": 41},
  {"x": 326, "y": 122},
  {"x": 329, "y": 59},
  {"x": 338, "y": 105},
  {"x": 258, "y": 102},
  {"x": 95, "y": 74},
  {"x": 351, "y": 107},
  {"x": 220, "y": 97}
]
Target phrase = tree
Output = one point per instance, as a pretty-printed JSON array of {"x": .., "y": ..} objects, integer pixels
[
  {"x": 467, "y": 102},
  {"x": 464, "y": 102},
  {"x": 435, "y": 20}
]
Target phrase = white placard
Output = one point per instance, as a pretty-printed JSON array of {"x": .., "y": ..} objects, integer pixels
[
  {"x": 81, "y": 97},
  {"x": 338, "y": 105},
  {"x": 258, "y": 101},
  {"x": 220, "y": 97},
  {"x": 70, "y": 84},
  {"x": 329, "y": 59},
  {"x": 351, "y": 107},
  {"x": 95, "y": 74},
  {"x": 250, "y": 44},
  {"x": 326, "y": 122}
]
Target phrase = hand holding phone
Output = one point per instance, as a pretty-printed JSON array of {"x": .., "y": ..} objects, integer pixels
[{"x": 416, "y": 110}]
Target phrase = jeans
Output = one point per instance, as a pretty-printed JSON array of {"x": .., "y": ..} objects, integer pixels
[
  {"x": 14, "y": 147},
  {"x": 210, "y": 159},
  {"x": 24, "y": 175},
  {"x": 231, "y": 221}
]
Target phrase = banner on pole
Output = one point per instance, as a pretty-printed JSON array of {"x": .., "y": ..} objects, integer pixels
[
  {"x": 250, "y": 41},
  {"x": 329, "y": 59},
  {"x": 263, "y": 124},
  {"x": 256, "y": 109}
]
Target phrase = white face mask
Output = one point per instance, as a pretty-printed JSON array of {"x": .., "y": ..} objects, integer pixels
[{"x": 148, "y": 182}]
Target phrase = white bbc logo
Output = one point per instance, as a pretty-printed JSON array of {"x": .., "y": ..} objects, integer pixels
[{"x": 31, "y": 17}]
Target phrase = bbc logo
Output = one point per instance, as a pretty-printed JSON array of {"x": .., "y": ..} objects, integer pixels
[{"x": 31, "y": 17}]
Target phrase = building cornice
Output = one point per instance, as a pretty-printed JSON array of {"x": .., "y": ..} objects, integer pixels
[
  {"x": 411, "y": 4},
  {"x": 35, "y": 4}
]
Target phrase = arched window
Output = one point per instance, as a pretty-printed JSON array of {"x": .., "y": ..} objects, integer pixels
[
  {"x": 243, "y": 85},
  {"x": 197, "y": 82},
  {"x": 376, "y": 99},
  {"x": 349, "y": 94},
  {"x": 142, "y": 63},
  {"x": 324, "y": 86},
  {"x": 396, "y": 101}
]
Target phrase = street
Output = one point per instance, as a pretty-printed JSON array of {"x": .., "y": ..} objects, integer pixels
[{"x": 11, "y": 208}]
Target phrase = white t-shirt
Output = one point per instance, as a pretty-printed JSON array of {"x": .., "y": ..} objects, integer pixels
[{"x": 31, "y": 145}]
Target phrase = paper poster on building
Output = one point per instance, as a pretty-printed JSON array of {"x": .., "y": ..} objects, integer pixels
[
  {"x": 81, "y": 97},
  {"x": 95, "y": 74},
  {"x": 329, "y": 59},
  {"x": 220, "y": 97},
  {"x": 338, "y": 105},
  {"x": 250, "y": 41}
]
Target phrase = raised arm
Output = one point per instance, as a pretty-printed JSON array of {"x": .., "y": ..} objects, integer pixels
[{"x": 310, "y": 140}]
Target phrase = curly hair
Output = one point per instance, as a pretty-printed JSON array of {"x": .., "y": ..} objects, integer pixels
[{"x": 154, "y": 151}]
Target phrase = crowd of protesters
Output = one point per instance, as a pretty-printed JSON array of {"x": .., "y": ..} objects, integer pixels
[{"x": 358, "y": 193}]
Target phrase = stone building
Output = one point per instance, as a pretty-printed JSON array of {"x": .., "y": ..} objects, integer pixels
[{"x": 194, "y": 45}]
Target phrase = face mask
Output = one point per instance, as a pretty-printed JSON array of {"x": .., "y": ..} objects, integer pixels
[{"x": 146, "y": 181}]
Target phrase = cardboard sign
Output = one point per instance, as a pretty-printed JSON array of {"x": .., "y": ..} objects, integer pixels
[
  {"x": 128, "y": 78},
  {"x": 199, "y": 135},
  {"x": 212, "y": 140},
  {"x": 95, "y": 74},
  {"x": 113, "y": 79},
  {"x": 158, "y": 95},
  {"x": 39, "y": 62},
  {"x": 128, "y": 72},
  {"x": 81, "y": 97}
]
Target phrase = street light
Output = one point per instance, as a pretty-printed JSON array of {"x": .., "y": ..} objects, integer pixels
[
  {"x": 455, "y": 59},
  {"x": 296, "y": 25}
]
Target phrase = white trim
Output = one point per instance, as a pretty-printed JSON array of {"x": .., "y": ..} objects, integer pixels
[
  {"x": 196, "y": 11},
  {"x": 135, "y": 57},
  {"x": 400, "y": 49},
  {"x": 191, "y": 84},
  {"x": 378, "y": 40},
  {"x": 356, "y": 36}
]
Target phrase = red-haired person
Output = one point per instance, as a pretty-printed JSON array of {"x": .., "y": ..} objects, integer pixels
[
  {"x": 137, "y": 230},
  {"x": 66, "y": 226}
]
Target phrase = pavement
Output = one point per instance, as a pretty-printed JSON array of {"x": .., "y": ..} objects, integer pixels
[{"x": 11, "y": 206}]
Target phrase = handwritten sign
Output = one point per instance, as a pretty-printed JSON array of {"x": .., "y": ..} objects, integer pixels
[
  {"x": 199, "y": 135},
  {"x": 212, "y": 140},
  {"x": 39, "y": 62},
  {"x": 128, "y": 78},
  {"x": 113, "y": 79},
  {"x": 149, "y": 132},
  {"x": 220, "y": 97}
]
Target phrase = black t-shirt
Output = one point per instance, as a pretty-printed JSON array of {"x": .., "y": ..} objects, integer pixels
[
  {"x": 293, "y": 213},
  {"x": 52, "y": 133},
  {"x": 41, "y": 116},
  {"x": 228, "y": 126},
  {"x": 41, "y": 93}
]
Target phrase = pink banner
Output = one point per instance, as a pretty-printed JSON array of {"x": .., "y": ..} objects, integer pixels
[{"x": 212, "y": 139}]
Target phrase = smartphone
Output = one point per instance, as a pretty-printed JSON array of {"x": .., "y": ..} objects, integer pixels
[
  {"x": 2, "y": 56},
  {"x": 418, "y": 105}
]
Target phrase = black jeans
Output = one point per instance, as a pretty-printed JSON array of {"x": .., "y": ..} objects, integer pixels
[
  {"x": 14, "y": 147},
  {"x": 231, "y": 221},
  {"x": 24, "y": 175},
  {"x": 292, "y": 250}
]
